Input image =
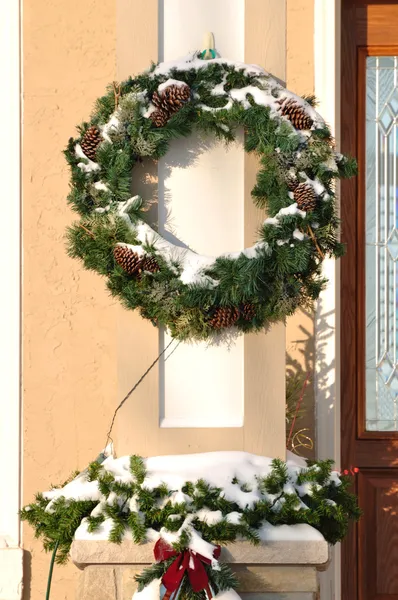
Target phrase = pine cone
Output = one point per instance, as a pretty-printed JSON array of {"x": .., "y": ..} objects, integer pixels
[
  {"x": 150, "y": 264},
  {"x": 171, "y": 99},
  {"x": 129, "y": 260},
  {"x": 160, "y": 102},
  {"x": 176, "y": 96},
  {"x": 296, "y": 114},
  {"x": 248, "y": 311},
  {"x": 90, "y": 142},
  {"x": 224, "y": 316},
  {"x": 292, "y": 183},
  {"x": 305, "y": 197},
  {"x": 159, "y": 118}
]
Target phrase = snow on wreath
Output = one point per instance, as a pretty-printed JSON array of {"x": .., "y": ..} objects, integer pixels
[
  {"x": 186, "y": 505},
  {"x": 195, "y": 296}
]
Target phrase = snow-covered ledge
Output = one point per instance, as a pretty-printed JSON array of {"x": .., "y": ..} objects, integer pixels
[
  {"x": 285, "y": 560},
  {"x": 272, "y": 570}
]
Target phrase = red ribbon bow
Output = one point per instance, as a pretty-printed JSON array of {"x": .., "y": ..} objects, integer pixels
[{"x": 189, "y": 562}]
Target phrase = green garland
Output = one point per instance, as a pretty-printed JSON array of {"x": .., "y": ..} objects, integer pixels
[
  {"x": 191, "y": 295},
  {"x": 195, "y": 296},
  {"x": 119, "y": 492}
]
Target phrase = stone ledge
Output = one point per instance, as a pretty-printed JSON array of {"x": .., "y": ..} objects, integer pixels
[{"x": 308, "y": 553}]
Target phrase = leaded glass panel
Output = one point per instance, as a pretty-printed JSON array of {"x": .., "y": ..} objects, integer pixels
[{"x": 381, "y": 243}]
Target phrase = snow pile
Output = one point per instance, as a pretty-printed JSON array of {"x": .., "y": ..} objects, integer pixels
[
  {"x": 101, "y": 186},
  {"x": 163, "y": 86},
  {"x": 110, "y": 127},
  {"x": 218, "y": 469},
  {"x": 88, "y": 166},
  {"x": 269, "y": 92},
  {"x": 152, "y": 591},
  {"x": 192, "y": 61},
  {"x": 192, "y": 265},
  {"x": 291, "y": 210},
  {"x": 236, "y": 474},
  {"x": 287, "y": 533}
]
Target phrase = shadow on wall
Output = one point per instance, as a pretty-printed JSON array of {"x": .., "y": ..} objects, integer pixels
[
  {"x": 300, "y": 361},
  {"x": 326, "y": 376},
  {"x": 27, "y": 575},
  {"x": 150, "y": 177},
  {"x": 300, "y": 397}
]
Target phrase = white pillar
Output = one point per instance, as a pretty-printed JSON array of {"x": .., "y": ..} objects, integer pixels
[
  {"x": 202, "y": 399},
  {"x": 327, "y": 322},
  {"x": 201, "y": 187},
  {"x": 10, "y": 553}
]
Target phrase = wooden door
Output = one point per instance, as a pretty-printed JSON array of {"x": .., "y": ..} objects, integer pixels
[{"x": 369, "y": 287}]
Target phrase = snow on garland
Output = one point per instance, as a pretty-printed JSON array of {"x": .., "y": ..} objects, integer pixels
[
  {"x": 195, "y": 296},
  {"x": 187, "y": 505}
]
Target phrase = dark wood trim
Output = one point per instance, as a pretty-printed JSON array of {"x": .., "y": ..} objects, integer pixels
[
  {"x": 375, "y": 22},
  {"x": 362, "y": 538},
  {"x": 368, "y": 27},
  {"x": 349, "y": 226},
  {"x": 385, "y": 50},
  {"x": 371, "y": 483},
  {"x": 377, "y": 435},
  {"x": 375, "y": 453},
  {"x": 362, "y": 53},
  {"x": 348, "y": 194}
]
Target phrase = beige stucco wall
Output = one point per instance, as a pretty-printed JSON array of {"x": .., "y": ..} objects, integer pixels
[
  {"x": 70, "y": 345},
  {"x": 69, "y": 369},
  {"x": 300, "y": 347}
]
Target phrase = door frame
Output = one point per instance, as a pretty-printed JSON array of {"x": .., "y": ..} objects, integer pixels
[
  {"x": 328, "y": 351},
  {"x": 327, "y": 35},
  {"x": 365, "y": 24}
]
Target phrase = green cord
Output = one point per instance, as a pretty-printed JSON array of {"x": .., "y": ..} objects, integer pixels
[{"x": 50, "y": 573}]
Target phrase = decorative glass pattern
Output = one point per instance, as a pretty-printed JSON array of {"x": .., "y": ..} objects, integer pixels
[{"x": 381, "y": 243}]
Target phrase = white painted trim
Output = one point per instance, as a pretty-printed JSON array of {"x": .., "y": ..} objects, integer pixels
[
  {"x": 327, "y": 326},
  {"x": 10, "y": 411}
]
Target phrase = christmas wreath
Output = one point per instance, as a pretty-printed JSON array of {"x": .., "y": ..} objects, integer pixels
[
  {"x": 195, "y": 296},
  {"x": 188, "y": 505}
]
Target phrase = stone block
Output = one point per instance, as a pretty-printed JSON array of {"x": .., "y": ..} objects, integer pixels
[
  {"x": 99, "y": 583},
  {"x": 272, "y": 571},
  {"x": 276, "y": 579},
  {"x": 129, "y": 585}
]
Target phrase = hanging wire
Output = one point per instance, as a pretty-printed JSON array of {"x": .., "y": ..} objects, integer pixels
[
  {"x": 300, "y": 400},
  {"x": 127, "y": 396},
  {"x": 302, "y": 439},
  {"x": 102, "y": 456}
]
